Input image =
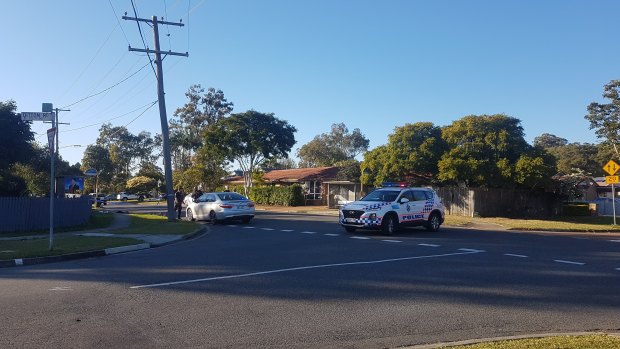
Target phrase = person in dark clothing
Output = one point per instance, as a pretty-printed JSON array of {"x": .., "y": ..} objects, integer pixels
[
  {"x": 196, "y": 194},
  {"x": 178, "y": 202}
]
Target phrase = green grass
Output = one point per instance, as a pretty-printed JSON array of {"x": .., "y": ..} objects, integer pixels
[
  {"x": 157, "y": 225},
  {"x": 599, "y": 341},
  {"x": 62, "y": 245},
  {"x": 575, "y": 224}
]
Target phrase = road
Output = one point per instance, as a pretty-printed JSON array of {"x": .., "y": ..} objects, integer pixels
[{"x": 297, "y": 281}]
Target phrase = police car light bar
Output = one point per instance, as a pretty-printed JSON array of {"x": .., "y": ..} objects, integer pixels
[{"x": 394, "y": 184}]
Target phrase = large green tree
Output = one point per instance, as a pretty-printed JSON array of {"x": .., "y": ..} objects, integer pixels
[
  {"x": 329, "y": 148},
  {"x": 15, "y": 146},
  {"x": 484, "y": 151},
  {"x": 412, "y": 151},
  {"x": 250, "y": 138},
  {"x": 190, "y": 122},
  {"x": 604, "y": 118}
]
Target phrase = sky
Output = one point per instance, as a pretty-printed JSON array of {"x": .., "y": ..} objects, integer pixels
[{"x": 373, "y": 65}]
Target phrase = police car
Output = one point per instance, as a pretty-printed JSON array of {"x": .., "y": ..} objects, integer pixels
[{"x": 391, "y": 206}]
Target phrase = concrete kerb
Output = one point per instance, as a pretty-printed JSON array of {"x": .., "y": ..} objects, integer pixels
[
  {"x": 98, "y": 253},
  {"x": 497, "y": 339}
]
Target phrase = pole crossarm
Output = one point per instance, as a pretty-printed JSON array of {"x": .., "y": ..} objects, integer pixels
[
  {"x": 159, "y": 52},
  {"x": 153, "y": 21}
]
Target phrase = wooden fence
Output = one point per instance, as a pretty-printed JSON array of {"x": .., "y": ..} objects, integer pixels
[
  {"x": 495, "y": 202},
  {"x": 31, "y": 214}
]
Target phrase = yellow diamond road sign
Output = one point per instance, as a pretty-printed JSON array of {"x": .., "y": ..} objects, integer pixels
[{"x": 611, "y": 167}]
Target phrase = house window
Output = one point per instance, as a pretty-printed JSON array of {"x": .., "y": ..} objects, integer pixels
[{"x": 313, "y": 190}]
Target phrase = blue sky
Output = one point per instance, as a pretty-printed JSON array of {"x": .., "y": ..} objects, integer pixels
[{"x": 374, "y": 65}]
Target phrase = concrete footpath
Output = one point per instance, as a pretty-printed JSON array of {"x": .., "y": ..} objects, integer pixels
[{"x": 121, "y": 221}]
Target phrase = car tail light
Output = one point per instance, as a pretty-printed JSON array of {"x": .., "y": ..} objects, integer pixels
[
  {"x": 251, "y": 204},
  {"x": 226, "y": 206}
]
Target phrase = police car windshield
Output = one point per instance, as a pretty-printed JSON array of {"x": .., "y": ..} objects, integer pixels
[{"x": 381, "y": 195}]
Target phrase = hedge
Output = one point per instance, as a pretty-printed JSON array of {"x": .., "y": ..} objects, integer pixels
[
  {"x": 277, "y": 196},
  {"x": 575, "y": 209}
]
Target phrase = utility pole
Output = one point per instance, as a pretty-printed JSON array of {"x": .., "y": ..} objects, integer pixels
[{"x": 162, "y": 104}]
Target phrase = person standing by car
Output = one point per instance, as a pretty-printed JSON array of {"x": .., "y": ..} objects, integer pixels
[{"x": 178, "y": 202}]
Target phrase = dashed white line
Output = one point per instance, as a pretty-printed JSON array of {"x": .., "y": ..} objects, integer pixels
[
  {"x": 614, "y": 240},
  {"x": 249, "y": 227},
  {"x": 428, "y": 245},
  {"x": 470, "y": 250},
  {"x": 617, "y": 268},
  {"x": 331, "y": 234},
  {"x": 287, "y": 230},
  {"x": 305, "y": 268},
  {"x": 360, "y": 237},
  {"x": 568, "y": 262},
  {"x": 267, "y": 229},
  {"x": 391, "y": 240},
  {"x": 232, "y": 225},
  {"x": 308, "y": 232},
  {"x": 515, "y": 255}
]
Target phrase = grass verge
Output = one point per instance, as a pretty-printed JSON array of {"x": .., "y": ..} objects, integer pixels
[
  {"x": 569, "y": 224},
  {"x": 156, "y": 225},
  {"x": 62, "y": 245},
  {"x": 598, "y": 341}
]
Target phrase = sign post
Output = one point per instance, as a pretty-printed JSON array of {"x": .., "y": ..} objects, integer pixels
[
  {"x": 611, "y": 167},
  {"x": 92, "y": 172},
  {"x": 51, "y": 133}
]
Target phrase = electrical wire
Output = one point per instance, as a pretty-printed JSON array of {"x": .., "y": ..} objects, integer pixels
[
  {"x": 134, "y": 119},
  {"x": 135, "y": 12},
  {"x": 119, "y": 22},
  {"x": 108, "y": 120},
  {"x": 107, "y": 89}
]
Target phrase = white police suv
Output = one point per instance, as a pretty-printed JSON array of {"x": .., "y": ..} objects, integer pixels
[{"x": 391, "y": 206}]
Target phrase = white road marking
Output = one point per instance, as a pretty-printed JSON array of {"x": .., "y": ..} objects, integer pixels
[
  {"x": 249, "y": 227},
  {"x": 428, "y": 245},
  {"x": 614, "y": 240},
  {"x": 331, "y": 234},
  {"x": 617, "y": 268},
  {"x": 360, "y": 237},
  {"x": 391, "y": 240},
  {"x": 515, "y": 255},
  {"x": 568, "y": 262},
  {"x": 287, "y": 230},
  {"x": 308, "y": 232},
  {"x": 267, "y": 229},
  {"x": 7, "y": 251},
  {"x": 232, "y": 225},
  {"x": 470, "y": 250},
  {"x": 320, "y": 266},
  {"x": 64, "y": 288}
]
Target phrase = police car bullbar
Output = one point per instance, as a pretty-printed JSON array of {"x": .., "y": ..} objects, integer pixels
[{"x": 391, "y": 206}]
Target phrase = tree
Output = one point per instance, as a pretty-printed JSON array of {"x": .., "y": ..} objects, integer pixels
[
  {"x": 250, "y": 138},
  {"x": 276, "y": 163},
  {"x": 413, "y": 149},
  {"x": 483, "y": 151},
  {"x": 547, "y": 141},
  {"x": 192, "y": 120},
  {"x": 329, "y": 148},
  {"x": 15, "y": 146},
  {"x": 605, "y": 118},
  {"x": 141, "y": 184}
]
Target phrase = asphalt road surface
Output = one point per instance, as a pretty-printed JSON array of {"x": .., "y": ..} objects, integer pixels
[{"x": 296, "y": 281}]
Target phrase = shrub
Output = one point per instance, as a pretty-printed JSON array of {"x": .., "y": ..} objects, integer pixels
[
  {"x": 575, "y": 209},
  {"x": 271, "y": 195}
]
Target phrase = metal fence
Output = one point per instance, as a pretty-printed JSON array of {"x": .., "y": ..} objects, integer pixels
[{"x": 31, "y": 214}]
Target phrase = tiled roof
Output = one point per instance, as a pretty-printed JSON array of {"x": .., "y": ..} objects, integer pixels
[{"x": 302, "y": 174}]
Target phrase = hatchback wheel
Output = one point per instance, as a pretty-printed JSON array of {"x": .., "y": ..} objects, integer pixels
[
  {"x": 390, "y": 225},
  {"x": 433, "y": 222},
  {"x": 190, "y": 215}
]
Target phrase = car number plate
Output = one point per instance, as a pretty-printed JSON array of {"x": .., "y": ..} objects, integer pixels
[
  {"x": 350, "y": 220},
  {"x": 241, "y": 206}
]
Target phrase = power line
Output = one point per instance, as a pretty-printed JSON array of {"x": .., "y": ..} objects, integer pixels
[
  {"x": 108, "y": 120},
  {"x": 118, "y": 21},
  {"x": 134, "y": 119},
  {"x": 135, "y": 12},
  {"x": 109, "y": 88}
]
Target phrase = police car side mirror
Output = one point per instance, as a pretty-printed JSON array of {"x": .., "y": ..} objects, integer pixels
[{"x": 404, "y": 200}]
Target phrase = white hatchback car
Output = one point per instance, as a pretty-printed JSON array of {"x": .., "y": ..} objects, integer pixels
[
  {"x": 392, "y": 206},
  {"x": 217, "y": 207}
]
